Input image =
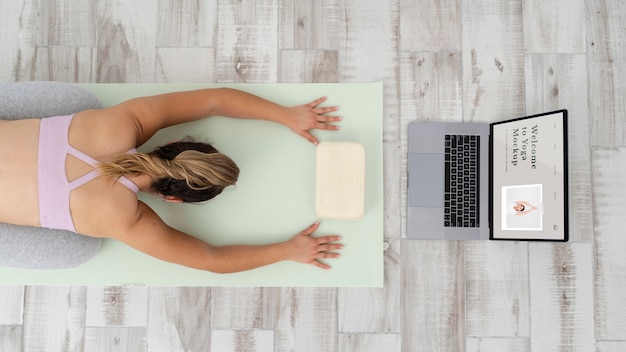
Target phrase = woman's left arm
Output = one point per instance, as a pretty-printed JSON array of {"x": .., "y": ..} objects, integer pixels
[
  {"x": 146, "y": 232},
  {"x": 152, "y": 113}
]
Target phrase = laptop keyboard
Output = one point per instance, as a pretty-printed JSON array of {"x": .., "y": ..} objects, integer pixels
[{"x": 461, "y": 181}]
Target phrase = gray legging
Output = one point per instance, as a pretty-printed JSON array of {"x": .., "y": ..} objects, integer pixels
[{"x": 32, "y": 247}]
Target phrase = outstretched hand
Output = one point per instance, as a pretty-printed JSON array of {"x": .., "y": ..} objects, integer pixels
[
  {"x": 306, "y": 249},
  {"x": 303, "y": 118}
]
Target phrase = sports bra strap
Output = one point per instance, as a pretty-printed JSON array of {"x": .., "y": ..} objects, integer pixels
[
  {"x": 82, "y": 156},
  {"x": 94, "y": 173},
  {"x": 84, "y": 179},
  {"x": 128, "y": 183}
]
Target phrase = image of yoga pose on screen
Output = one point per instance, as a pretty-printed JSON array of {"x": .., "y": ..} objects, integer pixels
[
  {"x": 81, "y": 173},
  {"x": 522, "y": 207}
]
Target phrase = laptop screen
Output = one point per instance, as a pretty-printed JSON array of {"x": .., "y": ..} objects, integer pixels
[{"x": 529, "y": 178}]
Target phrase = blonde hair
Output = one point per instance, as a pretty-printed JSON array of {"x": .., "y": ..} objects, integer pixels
[{"x": 191, "y": 171}]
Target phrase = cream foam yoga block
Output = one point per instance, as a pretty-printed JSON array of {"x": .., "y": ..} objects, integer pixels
[{"x": 340, "y": 180}]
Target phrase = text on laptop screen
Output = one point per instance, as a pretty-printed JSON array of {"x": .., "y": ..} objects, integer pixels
[{"x": 529, "y": 178}]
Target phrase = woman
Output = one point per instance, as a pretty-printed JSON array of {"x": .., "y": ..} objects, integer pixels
[
  {"x": 522, "y": 207},
  {"x": 81, "y": 173}
]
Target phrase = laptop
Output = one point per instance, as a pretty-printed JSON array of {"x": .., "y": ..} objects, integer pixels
[{"x": 478, "y": 181}]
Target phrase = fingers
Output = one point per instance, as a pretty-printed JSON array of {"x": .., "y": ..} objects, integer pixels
[
  {"x": 323, "y": 255},
  {"x": 319, "y": 264},
  {"x": 323, "y": 243},
  {"x": 323, "y": 251},
  {"x": 316, "y": 102},
  {"x": 327, "y": 239},
  {"x": 322, "y": 246},
  {"x": 315, "y": 118},
  {"x": 309, "y": 137},
  {"x": 323, "y": 121},
  {"x": 328, "y": 118},
  {"x": 309, "y": 230},
  {"x": 329, "y": 247},
  {"x": 323, "y": 126},
  {"x": 325, "y": 110}
]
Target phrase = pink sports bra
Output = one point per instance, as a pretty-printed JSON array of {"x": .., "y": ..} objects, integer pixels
[{"x": 54, "y": 187}]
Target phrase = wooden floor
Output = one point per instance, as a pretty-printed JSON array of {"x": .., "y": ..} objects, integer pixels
[{"x": 478, "y": 60}]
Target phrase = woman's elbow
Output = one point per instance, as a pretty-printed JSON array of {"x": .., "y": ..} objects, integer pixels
[{"x": 213, "y": 262}]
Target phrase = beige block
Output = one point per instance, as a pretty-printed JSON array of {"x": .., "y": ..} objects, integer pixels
[{"x": 340, "y": 180}]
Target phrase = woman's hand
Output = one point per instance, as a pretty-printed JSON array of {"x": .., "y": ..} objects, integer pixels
[
  {"x": 306, "y": 249},
  {"x": 303, "y": 118}
]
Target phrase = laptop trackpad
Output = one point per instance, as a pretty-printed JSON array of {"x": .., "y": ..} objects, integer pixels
[{"x": 426, "y": 180}]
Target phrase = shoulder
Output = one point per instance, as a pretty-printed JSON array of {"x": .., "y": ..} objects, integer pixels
[
  {"x": 138, "y": 118},
  {"x": 96, "y": 129},
  {"x": 137, "y": 219},
  {"x": 144, "y": 231},
  {"x": 127, "y": 218},
  {"x": 103, "y": 208}
]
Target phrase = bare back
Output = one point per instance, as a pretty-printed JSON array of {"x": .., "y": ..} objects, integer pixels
[
  {"x": 94, "y": 205},
  {"x": 19, "y": 141}
]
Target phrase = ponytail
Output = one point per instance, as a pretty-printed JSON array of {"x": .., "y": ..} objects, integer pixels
[{"x": 191, "y": 171}]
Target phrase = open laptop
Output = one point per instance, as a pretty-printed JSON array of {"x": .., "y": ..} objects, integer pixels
[{"x": 501, "y": 181}]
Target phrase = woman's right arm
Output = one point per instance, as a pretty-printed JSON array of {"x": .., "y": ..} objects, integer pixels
[{"x": 150, "y": 235}]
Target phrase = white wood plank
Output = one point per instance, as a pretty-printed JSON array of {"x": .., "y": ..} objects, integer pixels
[
  {"x": 384, "y": 305},
  {"x": 433, "y": 315},
  {"x": 311, "y": 66},
  {"x": 560, "y": 82},
  {"x": 609, "y": 165},
  {"x": 76, "y": 65},
  {"x": 54, "y": 318},
  {"x": 548, "y": 30},
  {"x": 243, "y": 308},
  {"x": 369, "y": 52},
  {"x": 117, "y": 306},
  {"x": 10, "y": 338},
  {"x": 306, "y": 319},
  {"x": 561, "y": 296},
  {"x": 493, "y": 60},
  {"x": 11, "y": 305},
  {"x": 611, "y": 346},
  {"x": 430, "y": 25},
  {"x": 309, "y": 24},
  {"x": 605, "y": 57},
  {"x": 186, "y": 23},
  {"x": 126, "y": 41},
  {"x": 117, "y": 339},
  {"x": 248, "y": 341},
  {"x": 431, "y": 86},
  {"x": 67, "y": 23},
  {"x": 497, "y": 293},
  {"x": 556, "y": 81},
  {"x": 496, "y": 344},
  {"x": 179, "y": 319},
  {"x": 370, "y": 342},
  {"x": 18, "y": 24},
  {"x": 186, "y": 65},
  {"x": 247, "y": 41}
]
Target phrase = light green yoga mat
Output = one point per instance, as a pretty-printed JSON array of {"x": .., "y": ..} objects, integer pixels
[{"x": 273, "y": 200}]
